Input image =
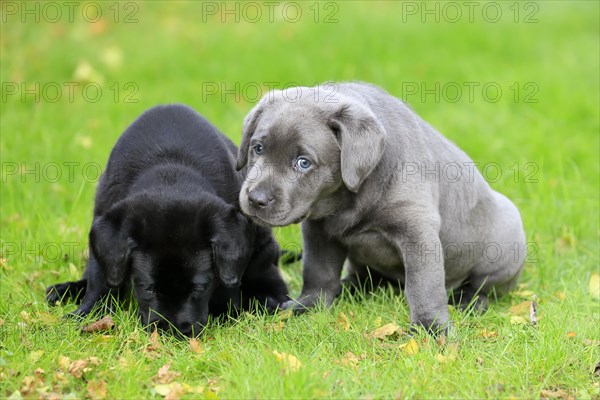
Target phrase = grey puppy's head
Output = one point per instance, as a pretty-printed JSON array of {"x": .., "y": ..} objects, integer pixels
[{"x": 301, "y": 145}]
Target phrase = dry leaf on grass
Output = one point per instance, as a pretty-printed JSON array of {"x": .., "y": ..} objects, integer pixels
[
  {"x": 385, "y": 331},
  {"x": 176, "y": 390},
  {"x": 521, "y": 309},
  {"x": 289, "y": 362},
  {"x": 571, "y": 335},
  {"x": 97, "y": 389},
  {"x": 450, "y": 353},
  {"x": 28, "y": 385},
  {"x": 343, "y": 321},
  {"x": 103, "y": 324},
  {"x": 171, "y": 391},
  {"x": 47, "y": 318},
  {"x": 164, "y": 375},
  {"x": 64, "y": 362},
  {"x": 484, "y": 333},
  {"x": 591, "y": 342},
  {"x": 26, "y": 316},
  {"x": 441, "y": 340},
  {"x": 195, "y": 346},
  {"x": 154, "y": 339},
  {"x": 285, "y": 314},
  {"x": 594, "y": 286},
  {"x": 525, "y": 294},
  {"x": 411, "y": 347},
  {"x": 78, "y": 368},
  {"x": 35, "y": 356},
  {"x": 154, "y": 347},
  {"x": 276, "y": 326},
  {"x": 350, "y": 359},
  {"x": 555, "y": 394}
]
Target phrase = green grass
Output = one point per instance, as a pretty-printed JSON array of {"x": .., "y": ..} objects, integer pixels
[{"x": 172, "y": 55}]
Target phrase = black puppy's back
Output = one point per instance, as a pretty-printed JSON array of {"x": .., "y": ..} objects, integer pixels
[{"x": 167, "y": 135}]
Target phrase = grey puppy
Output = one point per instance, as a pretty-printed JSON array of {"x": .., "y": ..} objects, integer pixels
[{"x": 376, "y": 186}]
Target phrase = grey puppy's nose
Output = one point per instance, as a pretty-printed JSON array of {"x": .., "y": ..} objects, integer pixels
[{"x": 260, "y": 198}]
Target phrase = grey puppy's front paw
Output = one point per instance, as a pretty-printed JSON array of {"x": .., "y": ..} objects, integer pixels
[
  {"x": 434, "y": 327},
  {"x": 293, "y": 305}
]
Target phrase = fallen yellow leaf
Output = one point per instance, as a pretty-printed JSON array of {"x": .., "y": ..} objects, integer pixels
[
  {"x": 517, "y": 320},
  {"x": 276, "y": 326},
  {"x": 64, "y": 362},
  {"x": 410, "y": 347},
  {"x": 384, "y": 331},
  {"x": 170, "y": 391},
  {"x": 350, "y": 359},
  {"x": 343, "y": 321},
  {"x": 26, "y": 316},
  {"x": 35, "y": 356},
  {"x": 445, "y": 358},
  {"x": 285, "y": 314},
  {"x": 487, "y": 334},
  {"x": 526, "y": 294},
  {"x": 594, "y": 286},
  {"x": 571, "y": 335},
  {"x": 521, "y": 308},
  {"x": 289, "y": 362}
]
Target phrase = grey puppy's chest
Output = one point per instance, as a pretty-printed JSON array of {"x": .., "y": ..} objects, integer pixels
[{"x": 367, "y": 244}]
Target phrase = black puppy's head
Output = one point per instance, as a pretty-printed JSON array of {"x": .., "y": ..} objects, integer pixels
[{"x": 176, "y": 251}]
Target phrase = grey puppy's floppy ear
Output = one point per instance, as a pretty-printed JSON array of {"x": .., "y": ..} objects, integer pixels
[
  {"x": 249, "y": 126},
  {"x": 362, "y": 142},
  {"x": 111, "y": 247},
  {"x": 231, "y": 247}
]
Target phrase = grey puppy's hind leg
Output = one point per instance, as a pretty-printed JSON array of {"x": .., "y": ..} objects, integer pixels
[{"x": 466, "y": 295}]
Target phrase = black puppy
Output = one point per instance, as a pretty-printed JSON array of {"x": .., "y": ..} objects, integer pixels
[{"x": 167, "y": 220}]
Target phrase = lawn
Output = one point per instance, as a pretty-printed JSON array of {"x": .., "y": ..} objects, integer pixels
[{"x": 514, "y": 84}]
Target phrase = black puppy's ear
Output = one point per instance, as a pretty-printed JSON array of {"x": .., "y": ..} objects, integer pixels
[
  {"x": 249, "y": 126},
  {"x": 111, "y": 247},
  {"x": 232, "y": 247},
  {"x": 362, "y": 140}
]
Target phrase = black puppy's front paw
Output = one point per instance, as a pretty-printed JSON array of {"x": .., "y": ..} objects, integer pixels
[{"x": 65, "y": 291}]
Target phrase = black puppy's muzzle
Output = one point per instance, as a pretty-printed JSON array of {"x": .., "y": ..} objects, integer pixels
[{"x": 183, "y": 329}]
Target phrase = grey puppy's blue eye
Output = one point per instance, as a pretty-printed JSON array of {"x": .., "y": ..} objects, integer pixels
[
  {"x": 258, "y": 149},
  {"x": 303, "y": 164}
]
